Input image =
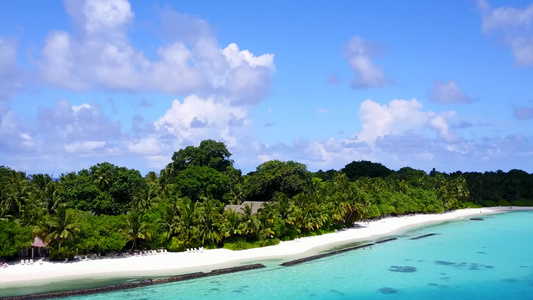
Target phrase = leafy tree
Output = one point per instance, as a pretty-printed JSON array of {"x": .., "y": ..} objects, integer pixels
[
  {"x": 13, "y": 237},
  {"x": 290, "y": 178},
  {"x": 325, "y": 175},
  {"x": 103, "y": 189},
  {"x": 358, "y": 169},
  {"x": 208, "y": 154},
  {"x": 202, "y": 181}
]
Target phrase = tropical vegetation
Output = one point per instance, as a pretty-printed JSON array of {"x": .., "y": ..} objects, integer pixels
[{"x": 106, "y": 208}]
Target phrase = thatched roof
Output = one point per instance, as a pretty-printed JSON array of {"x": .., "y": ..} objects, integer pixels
[{"x": 255, "y": 205}]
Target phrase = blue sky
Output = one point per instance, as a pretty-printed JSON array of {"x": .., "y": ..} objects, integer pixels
[{"x": 427, "y": 84}]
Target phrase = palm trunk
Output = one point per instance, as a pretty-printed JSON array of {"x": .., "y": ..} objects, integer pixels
[{"x": 133, "y": 244}]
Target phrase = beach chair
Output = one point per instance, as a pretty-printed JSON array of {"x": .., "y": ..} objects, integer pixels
[{"x": 31, "y": 261}]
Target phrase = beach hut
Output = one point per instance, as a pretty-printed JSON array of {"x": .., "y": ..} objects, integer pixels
[
  {"x": 254, "y": 205},
  {"x": 38, "y": 248}
]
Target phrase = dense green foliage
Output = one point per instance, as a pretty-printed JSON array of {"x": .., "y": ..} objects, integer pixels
[
  {"x": 107, "y": 208},
  {"x": 289, "y": 178},
  {"x": 12, "y": 238},
  {"x": 499, "y": 188},
  {"x": 358, "y": 169}
]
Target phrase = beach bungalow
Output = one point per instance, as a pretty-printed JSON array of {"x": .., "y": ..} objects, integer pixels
[
  {"x": 38, "y": 248},
  {"x": 254, "y": 205}
]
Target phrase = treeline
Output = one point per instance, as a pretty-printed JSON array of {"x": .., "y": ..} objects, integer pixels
[{"x": 107, "y": 208}]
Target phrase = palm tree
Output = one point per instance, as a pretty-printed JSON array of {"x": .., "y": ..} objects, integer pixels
[
  {"x": 151, "y": 179},
  {"x": 103, "y": 178},
  {"x": 166, "y": 185},
  {"x": 143, "y": 199},
  {"x": 169, "y": 218},
  {"x": 137, "y": 229},
  {"x": 230, "y": 224},
  {"x": 16, "y": 192},
  {"x": 250, "y": 225},
  {"x": 60, "y": 232},
  {"x": 209, "y": 218},
  {"x": 186, "y": 220}
]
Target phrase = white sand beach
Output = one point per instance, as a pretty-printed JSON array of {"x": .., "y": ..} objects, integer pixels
[{"x": 168, "y": 264}]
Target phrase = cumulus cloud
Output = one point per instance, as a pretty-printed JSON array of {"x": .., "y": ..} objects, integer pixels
[
  {"x": 399, "y": 133},
  {"x": 100, "y": 55},
  {"x": 398, "y": 117},
  {"x": 523, "y": 112},
  {"x": 360, "y": 54},
  {"x": 448, "y": 93},
  {"x": 196, "y": 119},
  {"x": 9, "y": 71},
  {"x": 513, "y": 25}
]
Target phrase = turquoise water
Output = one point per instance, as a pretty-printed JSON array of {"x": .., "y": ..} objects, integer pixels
[{"x": 489, "y": 259}]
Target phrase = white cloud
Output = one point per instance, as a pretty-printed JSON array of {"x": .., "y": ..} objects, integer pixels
[
  {"x": 100, "y": 55},
  {"x": 146, "y": 146},
  {"x": 238, "y": 58},
  {"x": 360, "y": 56},
  {"x": 448, "y": 93},
  {"x": 104, "y": 16},
  {"x": 398, "y": 117},
  {"x": 196, "y": 119},
  {"x": 514, "y": 25},
  {"x": 158, "y": 162},
  {"x": 506, "y": 16},
  {"x": 84, "y": 146}
]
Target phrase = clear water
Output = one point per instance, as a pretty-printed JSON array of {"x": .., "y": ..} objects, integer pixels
[{"x": 489, "y": 259}]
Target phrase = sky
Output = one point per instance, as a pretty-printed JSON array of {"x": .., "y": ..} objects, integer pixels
[{"x": 425, "y": 84}]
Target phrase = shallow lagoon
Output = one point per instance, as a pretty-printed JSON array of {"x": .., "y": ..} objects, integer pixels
[{"x": 487, "y": 259}]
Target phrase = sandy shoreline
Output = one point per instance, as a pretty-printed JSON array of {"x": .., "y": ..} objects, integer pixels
[{"x": 167, "y": 264}]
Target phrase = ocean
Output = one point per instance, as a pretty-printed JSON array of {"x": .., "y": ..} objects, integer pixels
[{"x": 466, "y": 259}]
